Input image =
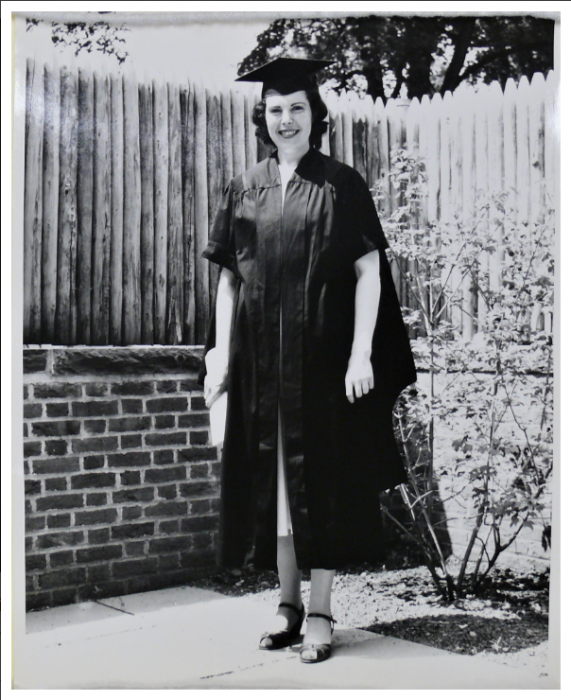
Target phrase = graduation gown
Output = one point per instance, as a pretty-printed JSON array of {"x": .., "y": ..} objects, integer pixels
[{"x": 297, "y": 265}]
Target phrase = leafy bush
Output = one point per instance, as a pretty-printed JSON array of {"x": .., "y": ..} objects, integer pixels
[{"x": 480, "y": 293}]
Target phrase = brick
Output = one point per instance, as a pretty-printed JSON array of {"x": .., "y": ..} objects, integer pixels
[
  {"x": 131, "y": 513},
  {"x": 35, "y": 523},
  {"x": 201, "y": 507},
  {"x": 33, "y": 410},
  {"x": 57, "y": 391},
  {"x": 65, "y": 577},
  {"x": 135, "y": 549},
  {"x": 35, "y": 360},
  {"x": 36, "y": 562},
  {"x": 32, "y": 449},
  {"x": 26, "y": 466},
  {"x": 129, "y": 442},
  {"x": 95, "y": 427},
  {"x": 134, "y": 495},
  {"x": 202, "y": 540},
  {"x": 94, "y": 480},
  {"x": 57, "y": 465},
  {"x": 98, "y": 572},
  {"x": 60, "y": 539},
  {"x": 25, "y": 430},
  {"x": 94, "y": 462},
  {"x": 178, "y": 403},
  {"x": 169, "y": 544},
  {"x": 95, "y": 408},
  {"x": 132, "y": 423},
  {"x": 29, "y": 544},
  {"x": 101, "y": 444},
  {"x": 158, "y": 439},
  {"x": 166, "y": 387},
  {"x": 188, "y": 385},
  {"x": 199, "y": 471},
  {"x": 64, "y": 558},
  {"x": 131, "y": 478},
  {"x": 96, "y": 517},
  {"x": 102, "y": 589},
  {"x": 167, "y": 579},
  {"x": 197, "y": 403},
  {"x": 168, "y": 508},
  {"x": 32, "y": 487},
  {"x": 56, "y": 428},
  {"x": 136, "y": 567},
  {"x": 111, "y": 551},
  {"x": 132, "y": 405},
  {"x": 132, "y": 389},
  {"x": 57, "y": 410},
  {"x": 66, "y": 596},
  {"x": 138, "y": 584},
  {"x": 96, "y": 389},
  {"x": 60, "y": 520},
  {"x": 68, "y": 500},
  {"x": 132, "y": 531},
  {"x": 59, "y": 484},
  {"x": 198, "y": 488},
  {"x": 167, "y": 492},
  {"x": 201, "y": 523},
  {"x": 38, "y": 601},
  {"x": 163, "y": 457},
  {"x": 194, "y": 454},
  {"x": 168, "y": 562},
  {"x": 164, "y": 422},
  {"x": 26, "y": 393},
  {"x": 96, "y": 499},
  {"x": 129, "y": 459},
  {"x": 100, "y": 536},
  {"x": 197, "y": 559},
  {"x": 158, "y": 476},
  {"x": 30, "y": 583},
  {"x": 193, "y": 420},
  {"x": 216, "y": 469},
  {"x": 56, "y": 448},
  {"x": 169, "y": 527},
  {"x": 28, "y": 507},
  {"x": 198, "y": 437}
]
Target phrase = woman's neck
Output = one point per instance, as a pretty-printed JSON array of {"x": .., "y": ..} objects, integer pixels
[{"x": 290, "y": 158}]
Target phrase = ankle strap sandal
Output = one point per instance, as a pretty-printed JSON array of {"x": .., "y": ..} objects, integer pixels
[
  {"x": 314, "y": 653},
  {"x": 283, "y": 638}
]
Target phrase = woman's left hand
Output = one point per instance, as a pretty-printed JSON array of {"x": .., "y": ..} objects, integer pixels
[{"x": 359, "y": 379}]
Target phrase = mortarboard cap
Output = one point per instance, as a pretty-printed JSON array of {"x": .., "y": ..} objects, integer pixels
[{"x": 286, "y": 75}]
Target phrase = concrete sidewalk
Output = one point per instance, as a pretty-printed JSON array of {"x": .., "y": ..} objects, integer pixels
[{"x": 191, "y": 638}]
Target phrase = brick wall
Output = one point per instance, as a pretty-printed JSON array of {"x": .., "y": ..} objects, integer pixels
[{"x": 121, "y": 483}]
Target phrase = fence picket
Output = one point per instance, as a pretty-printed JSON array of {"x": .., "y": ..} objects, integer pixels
[
  {"x": 50, "y": 203},
  {"x": 101, "y": 214},
  {"x": 117, "y": 213},
  {"x": 67, "y": 213},
  {"x": 131, "y": 216},
  {"x": 202, "y": 289},
  {"x": 33, "y": 202},
  {"x": 161, "y": 163},
  {"x": 147, "y": 213},
  {"x": 187, "y": 146}
]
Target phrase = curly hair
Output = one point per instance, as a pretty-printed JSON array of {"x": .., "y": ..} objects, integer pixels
[{"x": 318, "y": 116}]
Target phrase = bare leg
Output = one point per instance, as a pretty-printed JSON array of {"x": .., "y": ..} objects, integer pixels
[
  {"x": 290, "y": 585},
  {"x": 318, "y": 629}
]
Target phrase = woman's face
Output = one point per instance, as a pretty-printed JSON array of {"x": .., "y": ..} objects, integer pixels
[{"x": 288, "y": 118}]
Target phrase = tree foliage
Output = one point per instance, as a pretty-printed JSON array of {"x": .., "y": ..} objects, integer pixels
[
  {"x": 99, "y": 36},
  {"x": 425, "y": 55}
]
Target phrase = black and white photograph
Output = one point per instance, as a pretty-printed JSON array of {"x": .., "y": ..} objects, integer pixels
[{"x": 286, "y": 349}]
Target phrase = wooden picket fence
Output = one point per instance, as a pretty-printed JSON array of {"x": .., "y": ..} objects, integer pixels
[{"x": 122, "y": 180}]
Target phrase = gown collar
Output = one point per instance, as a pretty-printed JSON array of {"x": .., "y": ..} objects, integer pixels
[{"x": 305, "y": 168}]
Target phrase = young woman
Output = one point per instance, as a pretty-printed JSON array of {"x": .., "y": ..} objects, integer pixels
[{"x": 309, "y": 335}]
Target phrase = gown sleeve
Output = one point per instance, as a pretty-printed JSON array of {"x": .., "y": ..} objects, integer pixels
[
  {"x": 362, "y": 227},
  {"x": 220, "y": 248}
]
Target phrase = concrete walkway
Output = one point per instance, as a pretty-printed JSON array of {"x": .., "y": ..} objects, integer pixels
[{"x": 191, "y": 638}]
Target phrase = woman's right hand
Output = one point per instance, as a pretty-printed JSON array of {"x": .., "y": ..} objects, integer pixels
[{"x": 216, "y": 374}]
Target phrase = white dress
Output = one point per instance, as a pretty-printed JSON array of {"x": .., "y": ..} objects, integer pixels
[{"x": 284, "y": 517}]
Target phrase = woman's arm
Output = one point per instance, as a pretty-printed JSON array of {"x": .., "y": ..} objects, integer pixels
[
  {"x": 217, "y": 359},
  {"x": 359, "y": 378}
]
